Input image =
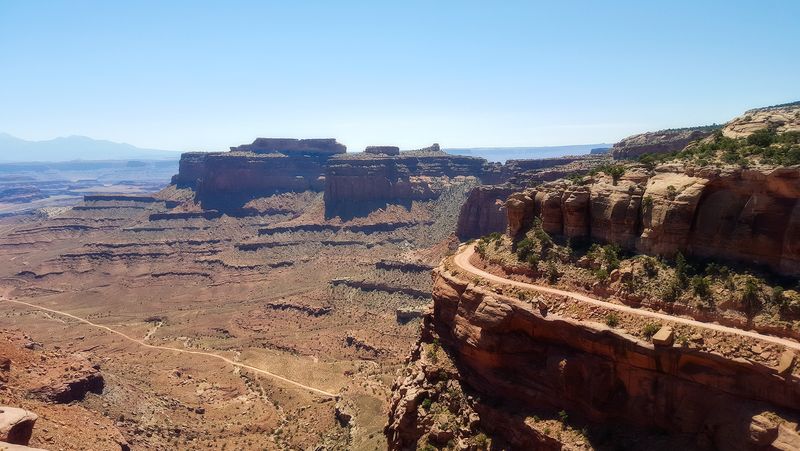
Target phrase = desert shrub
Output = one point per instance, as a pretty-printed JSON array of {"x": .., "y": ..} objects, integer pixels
[
  {"x": 681, "y": 270},
  {"x": 788, "y": 138},
  {"x": 672, "y": 192},
  {"x": 650, "y": 267},
  {"x": 601, "y": 274},
  {"x": 650, "y": 329},
  {"x": 433, "y": 351},
  {"x": 481, "y": 441},
  {"x": 777, "y": 297},
  {"x": 563, "y": 417},
  {"x": 523, "y": 247},
  {"x": 616, "y": 171},
  {"x": 701, "y": 287},
  {"x": 426, "y": 404},
  {"x": 750, "y": 299},
  {"x": 647, "y": 201},
  {"x": 612, "y": 320},
  {"x": 762, "y": 138},
  {"x": 672, "y": 291},
  {"x": 611, "y": 256},
  {"x": 717, "y": 271},
  {"x": 545, "y": 240},
  {"x": 552, "y": 272}
]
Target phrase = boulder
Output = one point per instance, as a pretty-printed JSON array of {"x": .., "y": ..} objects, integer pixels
[
  {"x": 786, "y": 362},
  {"x": 16, "y": 425},
  {"x": 664, "y": 337}
]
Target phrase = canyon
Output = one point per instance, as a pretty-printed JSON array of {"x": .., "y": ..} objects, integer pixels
[
  {"x": 288, "y": 294},
  {"x": 524, "y": 351},
  {"x": 225, "y": 309}
]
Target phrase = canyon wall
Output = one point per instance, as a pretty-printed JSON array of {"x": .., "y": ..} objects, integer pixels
[
  {"x": 264, "y": 167},
  {"x": 780, "y": 118},
  {"x": 734, "y": 214},
  {"x": 664, "y": 141},
  {"x": 484, "y": 211},
  {"x": 379, "y": 175},
  {"x": 410, "y": 175},
  {"x": 516, "y": 361}
]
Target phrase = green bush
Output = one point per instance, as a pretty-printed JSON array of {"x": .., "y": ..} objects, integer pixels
[
  {"x": 426, "y": 404},
  {"x": 672, "y": 291},
  {"x": 552, "y": 272},
  {"x": 612, "y": 320},
  {"x": 762, "y": 138},
  {"x": 525, "y": 249},
  {"x": 672, "y": 192},
  {"x": 650, "y": 267},
  {"x": 682, "y": 269},
  {"x": 563, "y": 417},
  {"x": 481, "y": 441},
  {"x": 701, "y": 287},
  {"x": 650, "y": 329},
  {"x": 750, "y": 298},
  {"x": 777, "y": 297},
  {"x": 616, "y": 171}
]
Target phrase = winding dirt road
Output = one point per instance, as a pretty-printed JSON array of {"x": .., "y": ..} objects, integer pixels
[
  {"x": 461, "y": 259},
  {"x": 183, "y": 351}
]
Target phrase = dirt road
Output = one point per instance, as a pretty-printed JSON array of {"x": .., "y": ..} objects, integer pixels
[
  {"x": 171, "y": 349},
  {"x": 462, "y": 261}
]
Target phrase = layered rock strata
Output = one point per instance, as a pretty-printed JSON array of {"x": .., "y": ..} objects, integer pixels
[
  {"x": 664, "y": 141},
  {"x": 514, "y": 361},
  {"x": 780, "y": 118},
  {"x": 266, "y": 166},
  {"x": 410, "y": 175},
  {"x": 740, "y": 215},
  {"x": 484, "y": 211}
]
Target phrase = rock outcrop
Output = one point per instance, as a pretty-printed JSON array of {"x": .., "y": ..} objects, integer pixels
[
  {"x": 383, "y": 150},
  {"x": 484, "y": 212},
  {"x": 16, "y": 425},
  {"x": 664, "y": 141},
  {"x": 291, "y": 147},
  {"x": 780, "y": 118},
  {"x": 372, "y": 177},
  {"x": 516, "y": 362},
  {"x": 261, "y": 168},
  {"x": 740, "y": 215}
]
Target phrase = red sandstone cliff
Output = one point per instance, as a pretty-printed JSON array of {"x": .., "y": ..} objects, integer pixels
[
  {"x": 514, "y": 363},
  {"x": 664, "y": 141},
  {"x": 744, "y": 215}
]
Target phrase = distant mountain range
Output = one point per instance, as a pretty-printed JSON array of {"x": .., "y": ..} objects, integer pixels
[
  {"x": 13, "y": 149},
  {"x": 502, "y": 154}
]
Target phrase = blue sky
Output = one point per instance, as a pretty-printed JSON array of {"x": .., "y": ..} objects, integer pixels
[{"x": 201, "y": 75}]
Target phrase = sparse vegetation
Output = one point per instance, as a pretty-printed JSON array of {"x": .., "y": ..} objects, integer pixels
[
  {"x": 650, "y": 329},
  {"x": 612, "y": 320},
  {"x": 672, "y": 192},
  {"x": 615, "y": 171},
  {"x": 701, "y": 287},
  {"x": 433, "y": 351},
  {"x": 764, "y": 146},
  {"x": 563, "y": 417},
  {"x": 750, "y": 298}
]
